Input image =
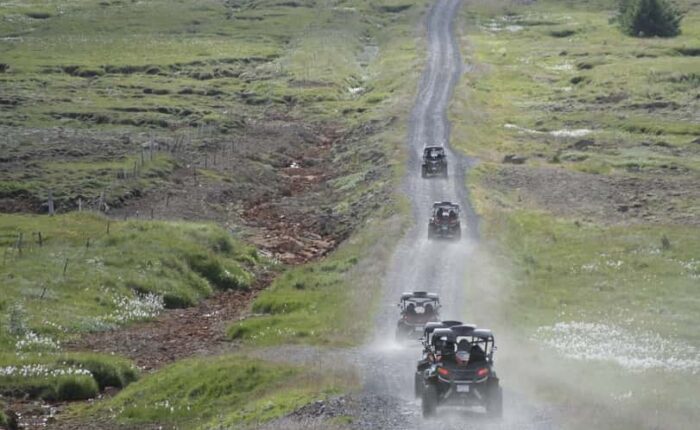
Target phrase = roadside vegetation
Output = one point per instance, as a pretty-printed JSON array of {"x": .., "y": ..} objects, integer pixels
[
  {"x": 589, "y": 145},
  {"x": 220, "y": 392},
  {"x": 56, "y": 376},
  {"x": 281, "y": 121}
]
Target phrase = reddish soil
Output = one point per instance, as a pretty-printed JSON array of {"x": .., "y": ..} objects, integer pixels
[{"x": 176, "y": 334}]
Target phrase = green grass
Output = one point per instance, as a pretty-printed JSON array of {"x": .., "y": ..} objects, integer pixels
[
  {"x": 555, "y": 66},
  {"x": 520, "y": 94},
  {"x": 631, "y": 90},
  {"x": 310, "y": 54},
  {"x": 69, "y": 181},
  {"x": 109, "y": 275},
  {"x": 623, "y": 275},
  {"x": 63, "y": 376},
  {"x": 227, "y": 390}
]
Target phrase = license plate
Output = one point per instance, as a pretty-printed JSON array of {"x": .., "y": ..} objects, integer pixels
[
  {"x": 418, "y": 328},
  {"x": 462, "y": 388}
]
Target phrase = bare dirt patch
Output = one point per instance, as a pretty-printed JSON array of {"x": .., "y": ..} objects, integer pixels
[{"x": 613, "y": 199}]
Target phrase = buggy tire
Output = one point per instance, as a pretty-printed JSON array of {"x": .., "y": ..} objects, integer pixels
[
  {"x": 423, "y": 173},
  {"x": 494, "y": 401},
  {"x": 418, "y": 384},
  {"x": 429, "y": 400}
]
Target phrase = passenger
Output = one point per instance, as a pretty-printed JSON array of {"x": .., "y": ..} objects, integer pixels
[
  {"x": 476, "y": 354},
  {"x": 429, "y": 311},
  {"x": 463, "y": 345}
]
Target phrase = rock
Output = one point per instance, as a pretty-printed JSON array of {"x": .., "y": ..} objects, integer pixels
[
  {"x": 514, "y": 159},
  {"x": 583, "y": 144}
]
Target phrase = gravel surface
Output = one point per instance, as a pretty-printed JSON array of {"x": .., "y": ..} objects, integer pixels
[{"x": 448, "y": 268}]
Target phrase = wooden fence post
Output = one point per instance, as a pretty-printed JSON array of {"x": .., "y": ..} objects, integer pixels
[{"x": 51, "y": 208}]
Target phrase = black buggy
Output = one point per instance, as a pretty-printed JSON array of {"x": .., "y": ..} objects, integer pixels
[
  {"x": 428, "y": 355},
  {"x": 417, "y": 308},
  {"x": 462, "y": 373},
  {"x": 434, "y": 162},
  {"x": 444, "y": 221}
]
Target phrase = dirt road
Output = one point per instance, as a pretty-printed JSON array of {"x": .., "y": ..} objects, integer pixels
[{"x": 448, "y": 268}]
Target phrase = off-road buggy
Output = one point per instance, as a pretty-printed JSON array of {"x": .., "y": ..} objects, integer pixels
[
  {"x": 429, "y": 351},
  {"x": 434, "y": 162},
  {"x": 444, "y": 221},
  {"x": 462, "y": 373},
  {"x": 417, "y": 308}
]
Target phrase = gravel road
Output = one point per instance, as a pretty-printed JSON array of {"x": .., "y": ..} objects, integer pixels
[{"x": 447, "y": 268}]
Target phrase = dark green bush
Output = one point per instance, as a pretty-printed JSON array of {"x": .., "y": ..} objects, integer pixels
[
  {"x": 177, "y": 301},
  {"x": 649, "y": 18},
  {"x": 213, "y": 269},
  {"x": 76, "y": 387}
]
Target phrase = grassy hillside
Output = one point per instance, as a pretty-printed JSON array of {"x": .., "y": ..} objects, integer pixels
[
  {"x": 119, "y": 100},
  {"x": 95, "y": 274},
  {"x": 280, "y": 119},
  {"x": 69, "y": 275},
  {"x": 589, "y": 142}
]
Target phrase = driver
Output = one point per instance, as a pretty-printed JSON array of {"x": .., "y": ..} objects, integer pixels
[
  {"x": 411, "y": 311},
  {"x": 447, "y": 353}
]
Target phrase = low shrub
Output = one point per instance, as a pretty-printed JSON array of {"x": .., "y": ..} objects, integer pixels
[
  {"x": 76, "y": 387},
  {"x": 649, "y": 18},
  {"x": 108, "y": 371}
]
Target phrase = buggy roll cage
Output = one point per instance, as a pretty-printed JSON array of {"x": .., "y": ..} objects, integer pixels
[
  {"x": 457, "y": 332},
  {"x": 438, "y": 150},
  {"x": 420, "y": 298}
]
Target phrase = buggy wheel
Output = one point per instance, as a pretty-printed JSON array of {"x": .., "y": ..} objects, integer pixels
[
  {"x": 429, "y": 398},
  {"x": 423, "y": 173},
  {"x": 418, "y": 384},
  {"x": 494, "y": 401}
]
